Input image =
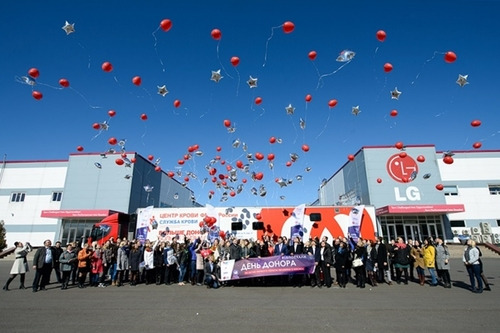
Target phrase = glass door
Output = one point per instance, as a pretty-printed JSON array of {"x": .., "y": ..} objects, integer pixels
[
  {"x": 412, "y": 231},
  {"x": 391, "y": 232}
]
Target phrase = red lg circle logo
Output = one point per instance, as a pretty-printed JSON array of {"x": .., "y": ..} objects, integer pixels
[{"x": 402, "y": 169}]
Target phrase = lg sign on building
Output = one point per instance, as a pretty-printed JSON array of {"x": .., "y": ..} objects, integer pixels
[{"x": 403, "y": 170}]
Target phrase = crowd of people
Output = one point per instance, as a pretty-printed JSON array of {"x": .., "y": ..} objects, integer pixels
[{"x": 196, "y": 262}]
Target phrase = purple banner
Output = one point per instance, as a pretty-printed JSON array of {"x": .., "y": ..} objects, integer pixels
[{"x": 275, "y": 265}]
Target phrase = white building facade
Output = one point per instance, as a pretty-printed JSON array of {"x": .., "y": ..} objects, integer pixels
[{"x": 417, "y": 195}]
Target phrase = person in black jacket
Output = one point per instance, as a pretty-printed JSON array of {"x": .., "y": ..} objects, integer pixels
[
  {"x": 340, "y": 264},
  {"x": 43, "y": 262},
  {"x": 135, "y": 258},
  {"x": 324, "y": 259},
  {"x": 360, "y": 253},
  {"x": 401, "y": 260},
  {"x": 383, "y": 265}
]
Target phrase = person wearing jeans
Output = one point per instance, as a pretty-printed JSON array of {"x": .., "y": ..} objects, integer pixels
[
  {"x": 430, "y": 260},
  {"x": 472, "y": 264}
]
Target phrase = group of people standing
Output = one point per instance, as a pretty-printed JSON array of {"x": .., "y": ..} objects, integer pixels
[{"x": 196, "y": 262}]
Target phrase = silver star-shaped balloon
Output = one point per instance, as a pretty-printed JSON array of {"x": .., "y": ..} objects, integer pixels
[
  {"x": 302, "y": 123},
  {"x": 282, "y": 182},
  {"x": 68, "y": 28},
  {"x": 462, "y": 80},
  {"x": 346, "y": 55},
  {"x": 395, "y": 93},
  {"x": 355, "y": 110},
  {"x": 290, "y": 109},
  {"x": 216, "y": 77},
  {"x": 252, "y": 83},
  {"x": 162, "y": 90}
]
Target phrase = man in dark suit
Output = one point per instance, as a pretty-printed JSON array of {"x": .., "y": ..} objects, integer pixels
[
  {"x": 211, "y": 279},
  {"x": 297, "y": 247},
  {"x": 43, "y": 262},
  {"x": 280, "y": 249}
]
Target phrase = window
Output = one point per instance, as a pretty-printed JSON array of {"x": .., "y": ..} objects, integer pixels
[
  {"x": 450, "y": 190},
  {"x": 17, "y": 197},
  {"x": 498, "y": 223},
  {"x": 56, "y": 196},
  {"x": 494, "y": 189},
  {"x": 457, "y": 224}
]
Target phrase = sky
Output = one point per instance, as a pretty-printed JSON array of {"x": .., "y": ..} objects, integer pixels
[{"x": 432, "y": 107}]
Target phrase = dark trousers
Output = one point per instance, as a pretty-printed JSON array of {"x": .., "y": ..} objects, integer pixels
[
  {"x": 42, "y": 276},
  {"x": 65, "y": 278},
  {"x": 360, "y": 276},
  {"x": 341, "y": 276},
  {"x": 475, "y": 274}
]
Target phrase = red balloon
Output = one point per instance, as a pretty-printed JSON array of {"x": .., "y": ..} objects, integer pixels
[
  {"x": 124, "y": 155},
  {"x": 288, "y": 27},
  {"x": 244, "y": 180},
  {"x": 308, "y": 98},
  {"x": 350, "y": 157},
  {"x": 144, "y": 116},
  {"x": 119, "y": 161},
  {"x": 218, "y": 148},
  {"x": 477, "y": 145},
  {"x": 312, "y": 55},
  {"x": 133, "y": 160},
  {"x": 288, "y": 163},
  {"x": 232, "y": 193},
  {"x": 403, "y": 154},
  {"x": 259, "y": 175},
  {"x": 180, "y": 162},
  {"x": 111, "y": 113},
  {"x": 64, "y": 83},
  {"x": 222, "y": 234},
  {"x": 258, "y": 100},
  {"x": 157, "y": 168},
  {"x": 448, "y": 160},
  {"x": 166, "y": 24},
  {"x": 421, "y": 158},
  {"x": 106, "y": 66},
  {"x": 270, "y": 157},
  {"x": 177, "y": 103},
  {"x": 475, "y": 123},
  {"x": 216, "y": 34},
  {"x": 212, "y": 171},
  {"x": 112, "y": 141},
  {"x": 259, "y": 156},
  {"x": 305, "y": 148},
  {"x": 227, "y": 123},
  {"x": 33, "y": 72},
  {"x": 239, "y": 164},
  {"x": 394, "y": 113},
  {"x": 258, "y": 216},
  {"x": 381, "y": 35},
  {"x": 379, "y": 180},
  {"x": 79, "y": 148},
  {"x": 272, "y": 139},
  {"x": 439, "y": 187},
  {"x": 171, "y": 174},
  {"x": 96, "y": 126},
  {"x": 387, "y": 67},
  {"x": 37, "y": 95},
  {"x": 450, "y": 57},
  {"x": 186, "y": 179},
  {"x": 332, "y": 103},
  {"x": 235, "y": 61},
  {"x": 137, "y": 80},
  {"x": 399, "y": 145},
  {"x": 151, "y": 157}
]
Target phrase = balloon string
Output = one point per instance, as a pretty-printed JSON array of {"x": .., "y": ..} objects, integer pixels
[
  {"x": 85, "y": 99},
  {"x": 239, "y": 79},
  {"x": 220, "y": 62},
  {"x": 324, "y": 128},
  {"x": 335, "y": 71},
  {"x": 425, "y": 63},
  {"x": 267, "y": 44},
  {"x": 156, "y": 49}
]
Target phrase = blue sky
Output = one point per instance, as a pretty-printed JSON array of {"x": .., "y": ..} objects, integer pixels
[{"x": 432, "y": 108}]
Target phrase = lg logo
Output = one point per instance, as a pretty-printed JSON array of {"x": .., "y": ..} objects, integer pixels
[{"x": 403, "y": 170}]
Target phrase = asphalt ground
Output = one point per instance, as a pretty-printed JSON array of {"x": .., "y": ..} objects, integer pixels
[{"x": 152, "y": 308}]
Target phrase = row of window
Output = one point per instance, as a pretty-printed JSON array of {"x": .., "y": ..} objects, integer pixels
[
  {"x": 453, "y": 190},
  {"x": 461, "y": 224},
  {"x": 20, "y": 196}
]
